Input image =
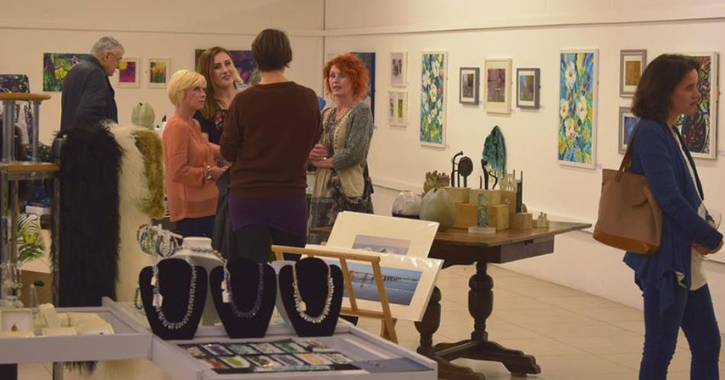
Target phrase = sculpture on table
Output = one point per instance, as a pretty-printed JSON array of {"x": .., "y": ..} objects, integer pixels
[
  {"x": 493, "y": 161},
  {"x": 463, "y": 168}
]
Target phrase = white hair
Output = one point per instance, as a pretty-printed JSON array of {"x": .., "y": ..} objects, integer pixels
[{"x": 104, "y": 44}]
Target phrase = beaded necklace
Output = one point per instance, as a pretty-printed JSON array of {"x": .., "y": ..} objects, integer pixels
[
  {"x": 300, "y": 305},
  {"x": 228, "y": 295},
  {"x": 159, "y": 300}
]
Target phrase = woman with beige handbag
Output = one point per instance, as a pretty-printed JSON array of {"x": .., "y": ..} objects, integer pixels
[
  {"x": 342, "y": 182},
  {"x": 672, "y": 279}
]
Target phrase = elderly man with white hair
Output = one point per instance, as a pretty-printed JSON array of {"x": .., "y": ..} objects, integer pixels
[{"x": 88, "y": 97}]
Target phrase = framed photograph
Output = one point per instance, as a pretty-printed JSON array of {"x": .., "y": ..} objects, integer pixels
[
  {"x": 433, "y": 99},
  {"x": 527, "y": 88},
  {"x": 398, "y": 108},
  {"x": 13, "y": 320},
  {"x": 631, "y": 67},
  {"x": 700, "y": 130},
  {"x": 399, "y": 69},
  {"x": 627, "y": 121},
  {"x": 577, "y": 136},
  {"x": 469, "y": 85},
  {"x": 383, "y": 234},
  {"x": 409, "y": 281},
  {"x": 128, "y": 73},
  {"x": 159, "y": 72},
  {"x": 497, "y": 74}
]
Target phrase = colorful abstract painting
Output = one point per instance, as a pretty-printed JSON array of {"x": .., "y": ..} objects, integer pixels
[
  {"x": 128, "y": 73},
  {"x": 56, "y": 66},
  {"x": 369, "y": 60},
  {"x": 243, "y": 62},
  {"x": 577, "y": 108},
  {"x": 159, "y": 72},
  {"x": 700, "y": 130},
  {"x": 433, "y": 99}
]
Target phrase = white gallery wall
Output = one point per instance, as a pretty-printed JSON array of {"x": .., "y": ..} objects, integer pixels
[
  {"x": 152, "y": 29},
  {"x": 531, "y": 33}
]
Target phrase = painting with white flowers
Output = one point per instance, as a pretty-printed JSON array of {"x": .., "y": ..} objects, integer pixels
[
  {"x": 433, "y": 99},
  {"x": 578, "y": 108}
]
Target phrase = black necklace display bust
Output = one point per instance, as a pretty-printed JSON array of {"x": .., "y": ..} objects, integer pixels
[
  {"x": 173, "y": 294},
  {"x": 244, "y": 293},
  {"x": 311, "y": 293}
]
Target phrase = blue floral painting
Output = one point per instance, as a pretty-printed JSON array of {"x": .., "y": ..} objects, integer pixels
[
  {"x": 577, "y": 108},
  {"x": 433, "y": 99}
]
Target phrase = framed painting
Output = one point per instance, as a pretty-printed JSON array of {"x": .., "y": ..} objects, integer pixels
[
  {"x": 369, "y": 60},
  {"x": 127, "y": 75},
  {"x": 469, "y": 85},
  {"x": 13, "y": 319},
  {"x": 159, "y": 72},
  {"x": 14, "y": 83},
  {"x": 399, "y": 69},
  {"x": 398, "y": 108},
  {"x": 627, "y": 122},
  {"x": 527, "y": 88},
  {"x": 577, "y": 133},
  {"x": 56, "y": 66},
  {"x": 433, "y": 99},
  {"x": 631, "y": 67},
  {"x": 700, "y": 130},
  {"x": 497, "y": 73},
  {"x": 243, "y": 61}
]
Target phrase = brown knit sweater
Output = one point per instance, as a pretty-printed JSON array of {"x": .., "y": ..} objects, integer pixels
[{"x": 268, "y": 134}]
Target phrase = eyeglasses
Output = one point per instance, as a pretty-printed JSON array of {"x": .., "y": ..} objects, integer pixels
[{"x": 118, "y": 58}]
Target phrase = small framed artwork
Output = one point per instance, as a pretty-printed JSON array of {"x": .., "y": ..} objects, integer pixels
[
  {"x": 13, "y": 320},
  {"x": 527, "y": 90},
  {"x": 469, "y": 85},
  {"x": 128, "y": 70},
  {"x": 631, "y": 67},
  {"x": 399, "y": 69},
  {"x": 398, "y": 108},
  {"x": 497, "y": 74},
  {"x": 627, "y": 122},
  {"x": 159, "y": 72}
]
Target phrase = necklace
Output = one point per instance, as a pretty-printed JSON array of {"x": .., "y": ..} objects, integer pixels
[
  {"x": 300, "y": 305},
  {"x": 159, "y": 300},
  {"x": 228, "y": 295},
  {"x": 198, "y": 249}
]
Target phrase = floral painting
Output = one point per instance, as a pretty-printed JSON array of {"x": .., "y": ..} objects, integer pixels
[
  {"x": 158, "y": 75},
  {"x": 243, "y": 61},
  {"x": 55, "y": 68},
  {"x": 128, "y": 72},
  {"x": 577, "y": 108},
  {"x": 14, "y": 83},
  {"x": 433, "y": 99},
  {"x": 700, "y": 130},
  {"x": 369, "y": 60}
]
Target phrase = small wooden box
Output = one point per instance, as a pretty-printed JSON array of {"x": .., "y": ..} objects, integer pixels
[
  {"x": 509, "y": 198},
  {"x": 459, "y": 194},
  {"x": 466, "y": 216},
  {"x": 498, "y": 217},
  {"x": 521, "y": 221},
  {"x": 493, "y": 197}
]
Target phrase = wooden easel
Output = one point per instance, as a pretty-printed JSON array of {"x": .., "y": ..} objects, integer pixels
[{"x": 387, "y": 330}]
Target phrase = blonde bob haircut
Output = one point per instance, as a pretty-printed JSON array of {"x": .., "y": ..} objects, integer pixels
[{"x": 181, "y": 82}]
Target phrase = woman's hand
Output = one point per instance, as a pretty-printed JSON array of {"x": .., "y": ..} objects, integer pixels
[
  {"x": 318, "y": 153},
  {"x": 217, "y": 172},
  {"x": 706, "y": 251}
]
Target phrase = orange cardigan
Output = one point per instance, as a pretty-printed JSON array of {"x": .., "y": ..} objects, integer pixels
[{"x": 186, "y": 156}]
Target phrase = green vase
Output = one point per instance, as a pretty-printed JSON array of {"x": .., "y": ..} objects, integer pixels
[{"x": 438, "y": 206}]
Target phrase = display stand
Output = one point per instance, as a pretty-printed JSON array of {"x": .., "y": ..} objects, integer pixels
[{"x": 387, "y": 322}]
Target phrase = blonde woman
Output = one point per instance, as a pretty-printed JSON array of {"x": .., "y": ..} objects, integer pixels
[{"x": 190, "y": 160}]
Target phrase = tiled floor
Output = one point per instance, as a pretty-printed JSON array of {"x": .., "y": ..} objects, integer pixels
[{"x": 573, "y": 335}]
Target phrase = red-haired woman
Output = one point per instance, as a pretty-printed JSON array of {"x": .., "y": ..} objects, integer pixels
[{"x": 342, "y": 182}]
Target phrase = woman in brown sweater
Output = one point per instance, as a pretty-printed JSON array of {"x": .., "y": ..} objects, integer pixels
[
  {"x": 189, "y": 159},
  {"x": 268, "y": 133}
]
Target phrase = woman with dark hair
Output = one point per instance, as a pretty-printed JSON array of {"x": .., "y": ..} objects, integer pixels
[
  {"x": 268, "y": 132},
  {"x": 672, "y": 280},
  {"x": 342, "y": 181},
  {"x": 217, "y": 67}
]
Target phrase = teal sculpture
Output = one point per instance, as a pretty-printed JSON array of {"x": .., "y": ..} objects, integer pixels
[{"x": 494, "y": 156}]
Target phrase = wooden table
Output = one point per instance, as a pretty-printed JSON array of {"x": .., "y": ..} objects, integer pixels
[{"x": 458, "y": 247}]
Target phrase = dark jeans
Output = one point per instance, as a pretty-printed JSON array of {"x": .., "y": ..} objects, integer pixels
[
  {"x": 693, "y": 312},
  {"x": 195, "y": 227},
  {"x": 255, "y": 241}
]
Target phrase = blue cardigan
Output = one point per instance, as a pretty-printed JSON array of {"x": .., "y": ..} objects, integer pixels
[{"x": 656, "y": 155}]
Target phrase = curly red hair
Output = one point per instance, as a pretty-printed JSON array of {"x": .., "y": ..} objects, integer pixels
[{"x": 353, "y": 67}]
